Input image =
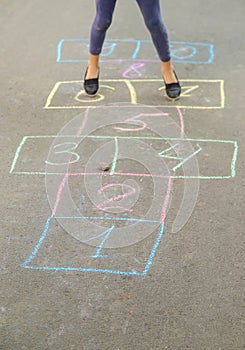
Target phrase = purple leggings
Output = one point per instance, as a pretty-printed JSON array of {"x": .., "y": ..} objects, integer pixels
[{"x": 151, "y": 12}]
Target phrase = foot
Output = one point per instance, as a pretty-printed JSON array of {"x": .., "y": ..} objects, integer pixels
[
  {"x": 172, "y": 85},
  {"x": 91, "y": 81}
]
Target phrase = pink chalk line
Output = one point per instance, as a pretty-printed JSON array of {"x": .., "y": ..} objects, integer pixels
[
  {"x": 166, "y": 201},
  {"x": 59, "y": 193},
  {"x": 120, "y": 174},
  {"x": 182, "y": 125},
  {"x": 113, "y": 207},
  {"x": 101, "y": 205},
  {"x": 83, "y": 123},
  {"x": 133, "y": 68},
  {"x": 140, "y": 122}
]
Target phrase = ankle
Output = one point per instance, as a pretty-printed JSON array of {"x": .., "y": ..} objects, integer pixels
[
  {"x": 92, "y": 71},
  {"x": 168, "y": 73},
  {"x": 92, "y": 66}
]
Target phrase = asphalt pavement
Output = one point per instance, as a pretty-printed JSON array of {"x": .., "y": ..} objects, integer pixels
[{"x": 121, "y": 216}]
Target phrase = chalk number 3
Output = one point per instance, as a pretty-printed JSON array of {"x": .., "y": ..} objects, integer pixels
[{"x": 67, "y": 149}]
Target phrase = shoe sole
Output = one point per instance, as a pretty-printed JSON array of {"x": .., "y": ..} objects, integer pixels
[
  {"x": 173, "y": 99},
  {"x": 94, "y": 95}
]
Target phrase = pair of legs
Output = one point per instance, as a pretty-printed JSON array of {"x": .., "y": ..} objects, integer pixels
[{"x": 151, "y": 12}]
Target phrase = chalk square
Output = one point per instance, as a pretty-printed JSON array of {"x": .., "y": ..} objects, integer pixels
[
  {"x": 77, "y": 50},
  {"x": 49, "y": 253},
  {"x": 71, "y": 95},
  {"x": 196, "y": 94},
  {"x": 191, "y": 52},
  {"x": 31, "y": 154}
]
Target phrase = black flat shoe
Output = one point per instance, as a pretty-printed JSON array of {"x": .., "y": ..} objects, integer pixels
[
  {"x": 91, "y": 86},
  {"x": 173, "y": 90}
]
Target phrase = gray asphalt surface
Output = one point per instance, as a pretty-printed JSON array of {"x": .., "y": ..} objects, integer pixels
[{"x": 192, "y": 295}]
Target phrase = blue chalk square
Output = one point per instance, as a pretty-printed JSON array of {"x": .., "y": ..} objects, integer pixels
[
  {"x": 77, "y": 50},
  {"x": 59, "y": 251},
  {"x": 192, "y": 52}
]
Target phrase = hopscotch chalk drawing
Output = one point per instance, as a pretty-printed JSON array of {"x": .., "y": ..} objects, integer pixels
[{"x": 111, "y": 209}]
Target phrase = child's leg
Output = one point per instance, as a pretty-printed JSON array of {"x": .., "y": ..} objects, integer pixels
[
  {"x": 102, "y": 21},
  {"x": 153, "y": 20},
  {"x": 152, "y": 16}
]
